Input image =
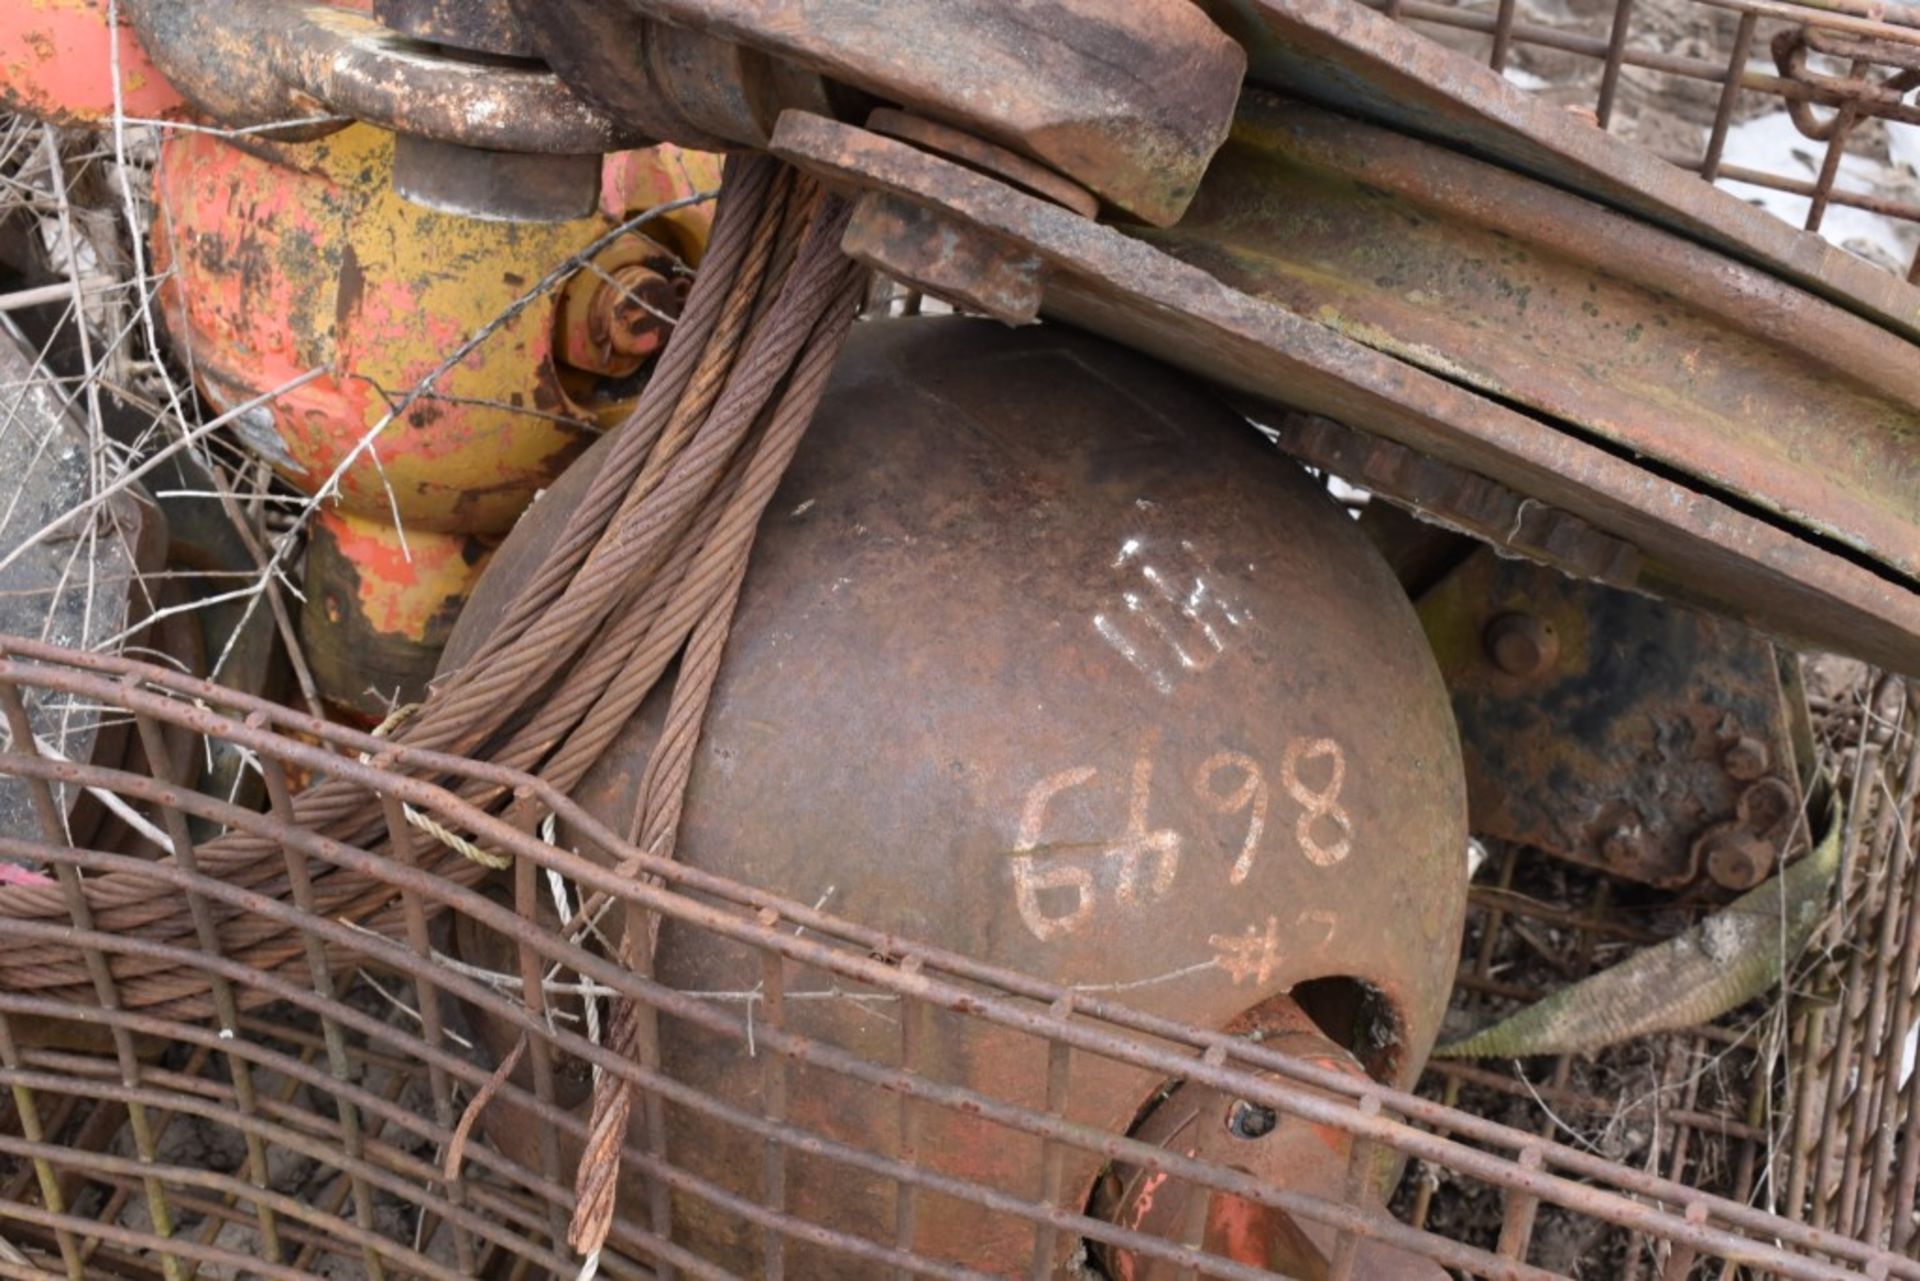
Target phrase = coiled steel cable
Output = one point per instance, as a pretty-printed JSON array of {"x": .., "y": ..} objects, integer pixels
[{"x": 652, "y": 555}]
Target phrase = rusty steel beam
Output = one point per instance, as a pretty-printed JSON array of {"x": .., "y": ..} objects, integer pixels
[
  {"x": 1696, "y": 543},
  {"x": 1538, "y": 298},
  {"x": 1343, "y": 55}
]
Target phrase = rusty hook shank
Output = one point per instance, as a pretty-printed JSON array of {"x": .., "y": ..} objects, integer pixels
[{"x": 247, "y": 63}]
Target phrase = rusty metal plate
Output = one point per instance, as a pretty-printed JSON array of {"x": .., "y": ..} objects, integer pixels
[
  {"x": 1548, "y": 301},
  {"x": 1129, "y": 100},
  {"x": 1361, "y": 62},
  {"x": 1616, "y": 730},
  {"x": 1695, "y": 543}
]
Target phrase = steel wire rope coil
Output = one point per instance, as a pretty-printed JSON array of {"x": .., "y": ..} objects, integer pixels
[{"x": 731, "y": 357}]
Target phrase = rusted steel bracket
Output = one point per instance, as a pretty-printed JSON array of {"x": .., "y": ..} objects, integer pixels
[
  {"x": 1652, "y": 741},
  {"x": 246, "y": 63},
  {"x": 1695, "y": 542},
  {"x": 1346, "y": 56},
  {"x": 1648, "y": 341},
  {"x": 1128, "y": 100}
]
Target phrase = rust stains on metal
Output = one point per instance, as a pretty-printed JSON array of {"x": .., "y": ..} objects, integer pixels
[
  {"x": 1551, "y": 302},
  {"x": 1456, "y": 499},
  {"x": 680, "y": 84},
  {"x": 285, "y": 257},
  {"x": 1129, "y": 100},
  {"x": 254, "y": 62},
  {"x": 977, "y": 153},
  {"x": 1647, "y": 740},
  {"x": 488, "y": 26},
  {"x": 1692, "y": 541},
  {"x": 617, "y": 315},
  {"x": 1142, "y": 677},
  {"x": 379, "y": 607},
  {"x": 70, "y": 966},
  {"x": 1205, "y": 1123},
  {"x": 1522, "y": 645},
  {"x": 510, "y": 186},
  {"x": 1356, "y": 60},
  {"x": 972, "y": 269}
]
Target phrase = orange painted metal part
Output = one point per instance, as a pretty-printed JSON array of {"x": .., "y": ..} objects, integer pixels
[
  {"x": 379, "y": 604},
  {"x": 444, "y": 404},
  {"x": 56, "y": 63},
  {"x": 1285, "y": 1150}
]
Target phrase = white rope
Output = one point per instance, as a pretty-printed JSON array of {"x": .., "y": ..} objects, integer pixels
[{"x": 426, "y": 822}]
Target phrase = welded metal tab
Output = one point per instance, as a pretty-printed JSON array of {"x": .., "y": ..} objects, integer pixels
[{"x": 1695, "y": 541}]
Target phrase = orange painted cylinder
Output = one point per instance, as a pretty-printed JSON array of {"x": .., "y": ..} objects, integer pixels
[
  {"x": 443, "y": 401},
  {"x": 57, "y": 63}
]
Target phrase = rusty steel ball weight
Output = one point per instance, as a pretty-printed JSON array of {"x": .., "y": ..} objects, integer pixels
[{"x": 1046, "y": 657}]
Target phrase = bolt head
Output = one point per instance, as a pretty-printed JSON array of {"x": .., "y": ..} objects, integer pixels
[
  {"x": 1747, "y": 760},
  {"x": 1624, "y": 848},
  {"x": 1522, "y": 645},
  {"x": 1738, "y": 860}
]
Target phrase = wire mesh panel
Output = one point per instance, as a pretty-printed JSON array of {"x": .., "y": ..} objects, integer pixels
[
  {"x": 357, "y": 1063},
  {"x": 1803, "y": 109},
  {"x": 1802, "y": 1101}
]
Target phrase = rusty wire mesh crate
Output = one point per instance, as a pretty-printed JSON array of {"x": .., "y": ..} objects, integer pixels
[
  {"x": 351, "y": 1102},
  {"x": 1803, "y": 109}
]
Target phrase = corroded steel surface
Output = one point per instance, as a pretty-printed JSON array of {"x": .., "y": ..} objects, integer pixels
[
  {"x": 303, "y": 256},
  {"x": 1364, "y": 63},
  {"x": 247, "y": 63},
  {"x": 486, "y": 25},
  {"x": 977, "y": 153},
  {"x": 972, "y": 269},
  {"x": 57, "y": 60},
  {"x": 1648, "y": 740},
  {"x": 1458, "y": 500},
  {"x": 676, "y": 83},
  {"x": 1548, "y": 301},
  {"x": 273, "y": 269},
  {"x": 1692, "y": 542},
  {"x": 511, "y": 186},
  {"x": 1126, "y": 100},
  {"x": 1286, "y": 1150},
  {"x": 1046, "y": 656}
]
